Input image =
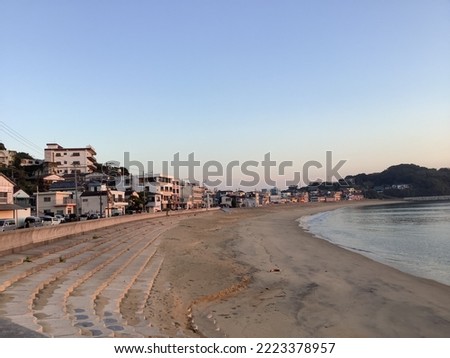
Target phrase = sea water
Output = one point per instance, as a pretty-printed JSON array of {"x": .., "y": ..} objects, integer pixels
[{"x": 413, "y": 237}]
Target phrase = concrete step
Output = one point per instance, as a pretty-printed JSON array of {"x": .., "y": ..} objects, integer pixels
[
  {"x": 84, "y": 297},
  {"x": 56, "y": 307},
  {"x": 24, "y": 292},
  {"x": 118, "y": 288},
  {"x": 142, "y": 287},
  {"x": 25, "y": 269},
  {"x": 84, "y": 283}
]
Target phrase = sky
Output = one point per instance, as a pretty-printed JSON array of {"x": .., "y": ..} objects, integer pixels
[{"x": 230, "y": 80}]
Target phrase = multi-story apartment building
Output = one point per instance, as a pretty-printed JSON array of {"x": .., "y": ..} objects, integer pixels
[
  {"x": 161, "y": 191},
  {"x": 70, "y": 160},
  {"x": 192, "y": 196}
]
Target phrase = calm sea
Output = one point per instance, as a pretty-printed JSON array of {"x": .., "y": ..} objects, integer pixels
[{"x": 412, "y": 237}]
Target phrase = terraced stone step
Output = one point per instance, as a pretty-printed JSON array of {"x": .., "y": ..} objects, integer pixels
[
  {"x": 24, "y": 292},
  {"x": 56, "y": 307},
  {"x": 76, "y": 287},
  {"x": 84, "y": 296}
]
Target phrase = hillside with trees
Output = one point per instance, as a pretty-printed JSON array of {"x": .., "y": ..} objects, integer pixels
[{"x": 404, "y": 180}]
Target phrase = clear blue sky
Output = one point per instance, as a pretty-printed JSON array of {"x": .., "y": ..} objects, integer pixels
[{"x": 230, "y": 80}]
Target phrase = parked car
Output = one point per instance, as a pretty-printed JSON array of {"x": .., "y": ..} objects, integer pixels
[
  {"x": 70, "y": 217},
  {"x": 61, "y": 218},
  {"x": 7, "y": 224},
  {"x": 50, "y": 220},
  {"x": 32, "y": 221},
  {"x": 93, "y": 216}
]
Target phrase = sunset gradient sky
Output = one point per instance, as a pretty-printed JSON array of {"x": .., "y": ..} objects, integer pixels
[{"x": 230, "y": 80}]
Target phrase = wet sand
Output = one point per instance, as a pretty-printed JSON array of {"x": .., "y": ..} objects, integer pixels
[{"x": 256, "y": 273}]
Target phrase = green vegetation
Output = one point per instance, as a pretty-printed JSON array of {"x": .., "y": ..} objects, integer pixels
[{"x": 404, "y": 180}]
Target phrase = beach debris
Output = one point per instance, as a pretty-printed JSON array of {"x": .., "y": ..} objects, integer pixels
[
  {"x": 210, "y": 316},
  {"x": 275, "y": 269}
]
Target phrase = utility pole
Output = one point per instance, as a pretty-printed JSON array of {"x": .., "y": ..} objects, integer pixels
[
  {"x": 101, "y": 203},
  {"x": 37, "y": 197},
  {"x": 76, "y": 193}
]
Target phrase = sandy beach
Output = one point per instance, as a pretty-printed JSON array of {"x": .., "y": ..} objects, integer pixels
[
  {"x": 256, "y": 273},
  {"x": 239, "y": 273}
]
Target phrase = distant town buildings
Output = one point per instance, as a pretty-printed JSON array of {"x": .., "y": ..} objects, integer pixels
[{"x": 67, "y": 182}]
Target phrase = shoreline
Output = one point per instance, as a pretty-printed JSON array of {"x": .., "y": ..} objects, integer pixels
[
  {"x": 257, "y": 273},
  {"x": 409, "y": 266}
]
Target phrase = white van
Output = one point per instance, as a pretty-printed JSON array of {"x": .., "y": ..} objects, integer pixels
[
  {"x": 50, "y": 220},
  {"x": 7, "y": 224}
]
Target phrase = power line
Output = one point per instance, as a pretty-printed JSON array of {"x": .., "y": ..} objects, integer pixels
[{"x": 20, "y": 138}]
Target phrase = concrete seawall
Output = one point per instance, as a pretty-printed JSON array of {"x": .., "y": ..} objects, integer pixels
[{"x": 13, "y": 241}]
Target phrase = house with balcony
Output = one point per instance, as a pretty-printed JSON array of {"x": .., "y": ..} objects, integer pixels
[
  {"x": 192, "y": 195},
  {"x": 70, "y": 160},
  {"x": 165, "y": 186},
  {"x": 55, "y": 202},
  {"x": 153, "y": 202},
  {"x": 103, "y": 201}
]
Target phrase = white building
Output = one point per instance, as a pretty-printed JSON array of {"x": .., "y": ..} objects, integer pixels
[
  {"x": 104, "y": 202},
  {"x": 192, "y": 196},
  {"x": 159, "y": 190},
  {"x": 22, "y": 199},
  {"x": 9, "y": 210},
  {"x": 251, "y": 200},
  {"x": 7, "y": 157},
  {"x": 153, "y": 202},
  {"x": 70, "y": 160},
  {"x": 55, "y": 202}
]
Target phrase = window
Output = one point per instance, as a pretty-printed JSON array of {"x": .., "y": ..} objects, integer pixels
[
  {"x": 76, "y": 154},
  {"x": 3, "y": 198},
  {"x": 47, "y": 199},
  {"x": 85, "y": 200},
  {"x": 58, "y": 154},
  {"x": 76, "y": 162}
]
